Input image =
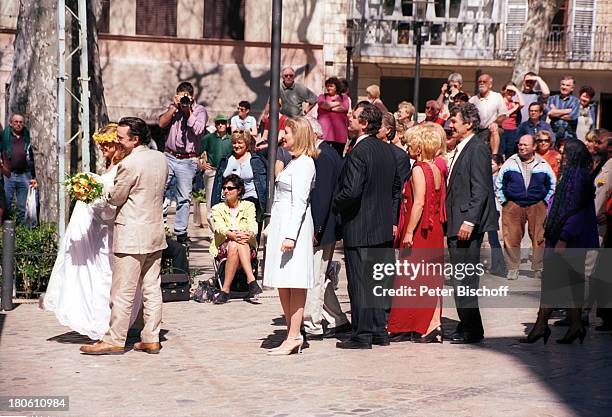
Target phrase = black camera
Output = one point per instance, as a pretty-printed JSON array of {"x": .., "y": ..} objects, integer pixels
[{"x": 186, "y": 101}]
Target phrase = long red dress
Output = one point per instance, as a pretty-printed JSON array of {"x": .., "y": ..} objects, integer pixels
[{"x": 421, "y": 313}]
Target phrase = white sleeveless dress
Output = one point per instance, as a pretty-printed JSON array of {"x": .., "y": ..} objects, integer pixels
[{"x": 79, "y": 288}]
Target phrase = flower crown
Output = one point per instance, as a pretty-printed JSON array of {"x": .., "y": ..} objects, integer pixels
[{"x": 107, "y": 137}]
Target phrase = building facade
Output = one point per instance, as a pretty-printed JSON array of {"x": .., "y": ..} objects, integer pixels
[
  {"x": 223, "y": 47},
  {"x": 475, "y": 36}
]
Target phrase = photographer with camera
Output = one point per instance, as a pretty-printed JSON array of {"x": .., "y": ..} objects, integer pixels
[
  {"x": 449, "y": 90},
  {"x": 187, "y": 120}
]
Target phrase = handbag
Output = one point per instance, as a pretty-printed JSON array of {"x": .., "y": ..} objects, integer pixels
[
  {"x": 31, "y": 217},
  {"x": 175, "y": 287},
  {"x": 205, "y": 293}
]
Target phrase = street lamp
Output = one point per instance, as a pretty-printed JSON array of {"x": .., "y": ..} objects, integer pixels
[
  {"x": 421, "y": 35},
  {"x": 354, "y": 30},
  {"x": 350, "y": 44}
]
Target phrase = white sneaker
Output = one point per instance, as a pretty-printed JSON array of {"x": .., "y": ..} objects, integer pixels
[{"x": 513, "y": 274}]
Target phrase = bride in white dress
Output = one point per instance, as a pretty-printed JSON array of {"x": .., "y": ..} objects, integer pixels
[{"x": 79, "y": 288}]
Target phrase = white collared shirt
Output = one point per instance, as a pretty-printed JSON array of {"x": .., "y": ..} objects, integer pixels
[
  {"x": 457, "y": 152},
  {"x": 360, "y": 138}
]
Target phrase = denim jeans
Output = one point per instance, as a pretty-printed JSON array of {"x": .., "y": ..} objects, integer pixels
[
  {"x": 182, "y": 171},
  {"x": 17, "y": 187}
]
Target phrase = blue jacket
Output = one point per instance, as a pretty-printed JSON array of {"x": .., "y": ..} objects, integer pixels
[
  {"x": 260, "y": 179},
  {"x": 510, "y": 185}
]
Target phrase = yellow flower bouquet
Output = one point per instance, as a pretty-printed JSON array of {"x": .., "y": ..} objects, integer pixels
[{"x": 84, "y": 186}]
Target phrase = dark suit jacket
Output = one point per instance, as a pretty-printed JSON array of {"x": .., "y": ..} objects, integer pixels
[
  {"x": 327, "y": 166},
  {"x": 403, "y": 163},
  {"x": 469, "y": 195},
  {"x": 368, "y": 194}
]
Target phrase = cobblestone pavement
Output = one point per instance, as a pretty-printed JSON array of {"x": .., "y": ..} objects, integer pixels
[{"x": 213, "y": 363}]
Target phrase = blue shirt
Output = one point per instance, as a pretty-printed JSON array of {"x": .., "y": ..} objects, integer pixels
[
  {"x": 564, "y": 129},
  {"x": 528, "y": 128},
  {"x": 245, "y": 172}
]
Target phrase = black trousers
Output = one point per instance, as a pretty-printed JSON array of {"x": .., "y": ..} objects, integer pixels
[
  {"x": 368, "y": 316},
  {"x": 466, "y": 252}
]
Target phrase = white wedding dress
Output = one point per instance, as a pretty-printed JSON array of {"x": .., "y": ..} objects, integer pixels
[{"x": 79, "y": 288}]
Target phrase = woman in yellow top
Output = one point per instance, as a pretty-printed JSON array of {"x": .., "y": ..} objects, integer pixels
[{"x": 235, "y": 229}]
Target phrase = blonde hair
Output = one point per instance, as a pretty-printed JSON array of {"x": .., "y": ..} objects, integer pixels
[
  {"x": 106, "y": 134},
  {"x": 244, "y": 135},
  {"x": 427, "y": 138},
  {"x": 591, "y": 136},
  {"x": 373, "y": 90},
  {"x": 303, "y": 136},
  {"x": 406, "y": 105}
]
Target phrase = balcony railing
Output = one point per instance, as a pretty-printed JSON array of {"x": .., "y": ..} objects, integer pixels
[
  {"x": 564, "y": 43},
  {"x": 477, "y": 40}
]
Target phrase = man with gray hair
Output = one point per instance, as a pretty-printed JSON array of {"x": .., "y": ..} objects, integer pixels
[
  {"x": 321, "y": 301},
  {"x": 449, "y": 90},
  {"x": 471, "y": 212},
  {"x": 563, "y": 110},
  {"x": 293, "y": 95}
]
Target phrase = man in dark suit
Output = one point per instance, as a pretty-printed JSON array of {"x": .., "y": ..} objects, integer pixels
[
  {"x": 470, "y": 208},
  {"x": 366, "y": 199},
  {"x": 321, "y": 301}
]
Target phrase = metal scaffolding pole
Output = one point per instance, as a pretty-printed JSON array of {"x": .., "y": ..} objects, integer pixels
[
  {"x": 84, "y": 78},
  {"x": 61, "y": 115},
  {"x": 81, "y": 97}
]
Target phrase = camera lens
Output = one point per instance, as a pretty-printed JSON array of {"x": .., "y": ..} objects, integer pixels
[{"x": 185, "y": 101}]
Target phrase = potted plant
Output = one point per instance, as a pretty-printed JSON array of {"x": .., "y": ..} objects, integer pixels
[{"x": 200, "y": 213}]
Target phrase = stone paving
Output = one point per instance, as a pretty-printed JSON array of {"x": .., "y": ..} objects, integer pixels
[{"x": 213, "y": 363}]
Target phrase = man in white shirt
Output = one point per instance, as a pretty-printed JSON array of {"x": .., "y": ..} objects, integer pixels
[
  {"x": 242, "y": 121},
  {"x": 491, "y": 109}
]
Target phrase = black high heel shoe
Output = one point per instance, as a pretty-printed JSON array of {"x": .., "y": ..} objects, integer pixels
[
  {"x": 568, "y": 339},
  {"x": 435, "y": 336},
  {"x": 534, "y": 337}
]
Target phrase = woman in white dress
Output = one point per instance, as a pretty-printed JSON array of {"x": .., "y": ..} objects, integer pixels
[
  {"x": 289, "y": 251},
  {"x": 79, "y": 288}
]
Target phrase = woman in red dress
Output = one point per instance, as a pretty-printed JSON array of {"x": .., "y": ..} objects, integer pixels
[{"x": 416, "y": 315}]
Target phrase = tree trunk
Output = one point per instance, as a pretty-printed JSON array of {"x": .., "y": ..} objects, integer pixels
[
  {"x": 33, "y": 92},
  {"x": 535, "y": 34},
  {"x": 97, "y": 104},
  {"x": 34, "y": 88}
]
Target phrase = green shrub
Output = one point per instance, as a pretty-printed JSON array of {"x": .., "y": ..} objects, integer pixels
[{"x": 35, "y": 253}]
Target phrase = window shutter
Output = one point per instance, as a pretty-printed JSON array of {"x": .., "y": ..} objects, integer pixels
[
  {"x": 224, "y": 19},
  {"x": 582, "y": 28},
  {"x": 156, "y": 17},
  {"x": 104, "y": 20},
  {"x": 516, "y": 16}
]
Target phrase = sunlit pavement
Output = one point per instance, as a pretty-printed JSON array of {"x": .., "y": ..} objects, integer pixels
[{"x": 214, "y": 363}]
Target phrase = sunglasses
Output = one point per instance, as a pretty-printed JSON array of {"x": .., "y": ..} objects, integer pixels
[
  {"x": 288, "y": 75},
  {"x": 241, "y": 108},
  {"x": 542, "y": 140},
  {"x": 229, "y": 188}
]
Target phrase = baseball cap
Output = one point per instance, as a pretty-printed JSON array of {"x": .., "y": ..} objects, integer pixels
[{"x": 220, "y": 118}]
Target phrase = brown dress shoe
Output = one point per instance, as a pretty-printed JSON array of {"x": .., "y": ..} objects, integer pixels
[
  {"x": 102, "y": 348},
  {"x": 148, "y": 347}
]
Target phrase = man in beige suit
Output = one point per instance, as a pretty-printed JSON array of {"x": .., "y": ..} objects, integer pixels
[{"x": 138, "y": 240}]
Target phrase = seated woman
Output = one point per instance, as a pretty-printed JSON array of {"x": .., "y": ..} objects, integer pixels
[
  {"x": 235, "y": 229},
  {"x": 250, "y": 167}
]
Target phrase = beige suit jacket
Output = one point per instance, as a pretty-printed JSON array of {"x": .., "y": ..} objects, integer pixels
[{"x": 139, "y": 194}]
